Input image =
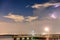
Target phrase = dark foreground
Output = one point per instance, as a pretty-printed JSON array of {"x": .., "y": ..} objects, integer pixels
[{"x": 30, "y": 37}]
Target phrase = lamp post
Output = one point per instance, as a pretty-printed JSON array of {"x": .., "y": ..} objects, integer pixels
[{"x": 33, "y": 34}]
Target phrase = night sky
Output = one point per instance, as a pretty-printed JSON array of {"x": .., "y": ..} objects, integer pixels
[
  {"x": 25, "y": 16},
  {"x": 18, "y": 6}
]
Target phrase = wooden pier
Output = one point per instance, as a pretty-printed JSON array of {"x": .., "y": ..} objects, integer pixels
[{"x": 30, "y": 37}]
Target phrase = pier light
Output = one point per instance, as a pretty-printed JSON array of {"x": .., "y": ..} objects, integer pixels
[
  {"x": 23, "y": 38},
  {"x": 27, "y": 38}
]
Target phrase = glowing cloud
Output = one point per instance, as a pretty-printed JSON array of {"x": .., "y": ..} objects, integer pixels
[
  {"x": 31, "y": 18},
  {"x": 19, "y": 18},
  {"x": 57, "y": 5},
  {"x": 16, "y": 18},
  {"x": 45, "y": 5},
  {"x": 53, "y": 16}
]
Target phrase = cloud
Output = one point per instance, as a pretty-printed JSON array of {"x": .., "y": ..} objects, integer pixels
[
  {"x": 25, "y": 28},
  {"x": 57, "y": 5},
  {"x": 18, "y": 28},
  {"x": 49, "y": 15},
  {"x": 16, "y": 18},
  {"x": 45, "y": 5},
  {"x": 31, "y": 18},
  {"x": 53, "y": 15},
  {"x": 51, "y": 10},
  {"x": 19, "y": 18}
]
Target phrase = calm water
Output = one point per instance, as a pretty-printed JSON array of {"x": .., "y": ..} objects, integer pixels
[{"x": 6, "y": 38}]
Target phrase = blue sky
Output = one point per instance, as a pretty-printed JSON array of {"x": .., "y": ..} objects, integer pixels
[{"x": 18, "y": 6}]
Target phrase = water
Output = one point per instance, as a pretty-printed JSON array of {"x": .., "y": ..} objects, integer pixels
[{"x": 6, "y": 38}]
